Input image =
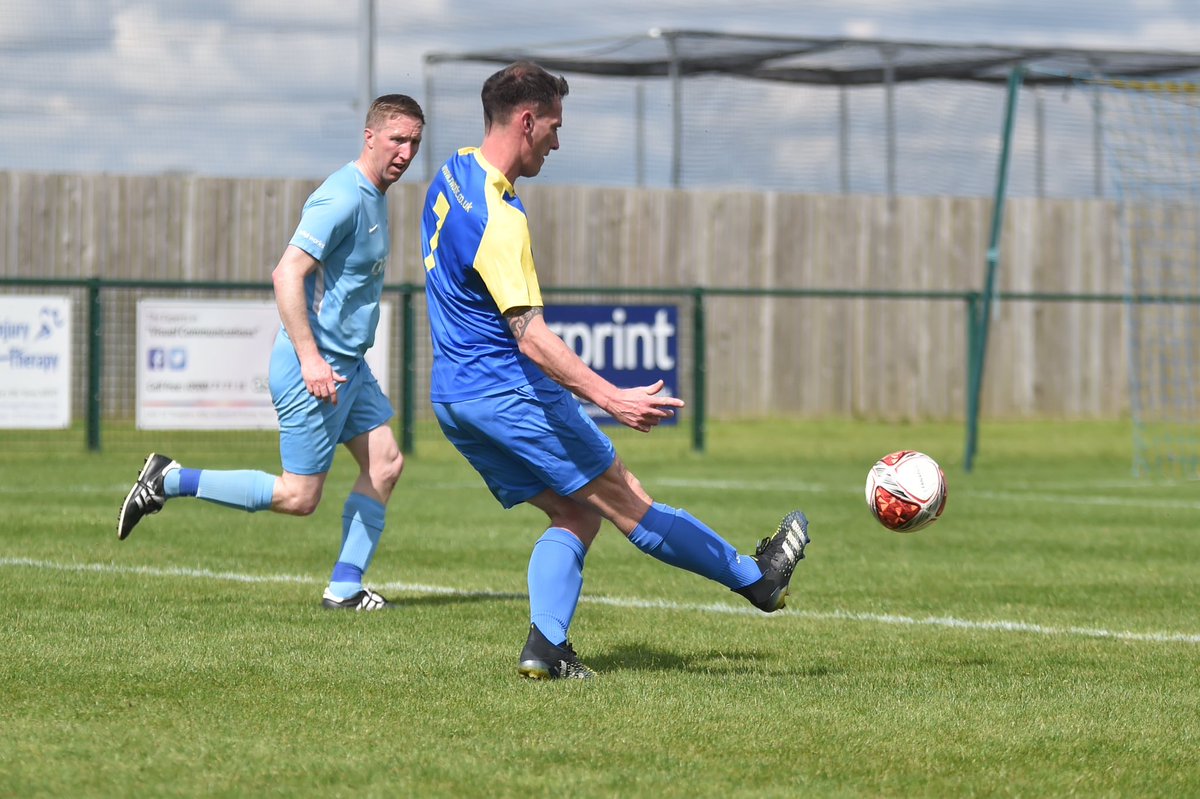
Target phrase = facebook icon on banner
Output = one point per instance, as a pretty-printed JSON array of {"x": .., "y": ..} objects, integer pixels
[{"x": 629, "y": 345}]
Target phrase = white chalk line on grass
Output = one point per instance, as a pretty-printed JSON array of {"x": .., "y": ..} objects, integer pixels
[
  {"x": 119, "y": 490},
  {"x": 1086, "y": 497},
  {"x": 997, "y": 625}
]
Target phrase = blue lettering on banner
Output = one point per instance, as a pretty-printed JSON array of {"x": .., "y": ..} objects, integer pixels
[
  {"x": 20, "y": 359},
  {"x": 629, "y": 345},
  {"x": 10, "y": 330}
]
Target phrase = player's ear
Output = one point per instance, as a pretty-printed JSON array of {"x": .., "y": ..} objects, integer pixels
[{"x": 527, "y": 121}]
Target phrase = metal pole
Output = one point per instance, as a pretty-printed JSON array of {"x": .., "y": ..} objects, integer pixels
[
  {"x": 639, "y": 114},
  {"x": 1097, "y": 145},
  {"x": 428, "y": 148},
  {"x": 844, "y": 139},
  {"x": 976, "y": 369},
  {"x": 974, "y": 316},
  {"x": 1039, "y": 110},
  {"x": 676, "y": 113},
  {"x": 366, "y": 55},
  {"x": 408, "y": 397},
  {"x": 699, "y": 370},
  {"x": 95, "y": 363},
  {"x": 889, "y": 95}
]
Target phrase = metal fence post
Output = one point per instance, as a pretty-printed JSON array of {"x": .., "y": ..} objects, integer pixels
[
  {"x": 408, "y": 368},
  {"x": 95, "y": 368},
  {"x": 975, "y": 389},
  {"x": 699, "y": 369},
  {"x": 974, "y": 363}
]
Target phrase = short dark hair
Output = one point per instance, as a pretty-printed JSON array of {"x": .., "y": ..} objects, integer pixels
[
  {"x": 517, "y": 84},
  {"x": 393, "y": 105}
]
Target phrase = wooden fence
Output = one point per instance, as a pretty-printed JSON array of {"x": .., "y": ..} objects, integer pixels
[{"x": 767, "y": 355}]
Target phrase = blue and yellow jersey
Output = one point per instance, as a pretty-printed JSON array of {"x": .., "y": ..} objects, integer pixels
[
  {"x": 478, "y": 264},
  {"x": 344, "y": 225}
]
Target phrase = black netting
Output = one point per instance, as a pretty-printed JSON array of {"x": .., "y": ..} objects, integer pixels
[{"x": 696, "y": 109}]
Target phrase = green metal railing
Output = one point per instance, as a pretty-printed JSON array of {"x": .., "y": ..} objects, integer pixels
[
  {"x": 94, "y": 324},
  {"x": 975, "y": 306}
]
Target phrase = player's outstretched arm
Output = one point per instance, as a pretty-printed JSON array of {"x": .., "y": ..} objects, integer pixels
[
  {"x": 640, "y": 408},
  {"x": 288, "y": 277}
]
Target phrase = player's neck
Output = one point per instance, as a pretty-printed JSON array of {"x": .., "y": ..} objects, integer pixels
[
  {"x": 367, "y": 173},
  {"x": 501, "y": 155}
]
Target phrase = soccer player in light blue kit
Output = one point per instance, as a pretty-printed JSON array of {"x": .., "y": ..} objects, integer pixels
[
  {"x": 502, "y": 386},
  {"x": 327, "y": 285}
]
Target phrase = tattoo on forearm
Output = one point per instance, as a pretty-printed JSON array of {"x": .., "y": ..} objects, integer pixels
[{"x": 519, "y": 323}]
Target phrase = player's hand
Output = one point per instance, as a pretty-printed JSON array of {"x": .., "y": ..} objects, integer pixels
[
  {"x": 320, "y": 380},
  {"x": 641, "y": 409}
]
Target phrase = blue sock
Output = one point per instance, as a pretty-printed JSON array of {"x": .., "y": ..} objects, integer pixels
[
  {"x": 245, "y": 489},
  {"x": 680, "y": 539},
  {"x": 362, "y": 527},
  {"x": 555, "y": 581}
]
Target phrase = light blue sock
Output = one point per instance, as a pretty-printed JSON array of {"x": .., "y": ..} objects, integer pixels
[
  {"x": 555, "y": 582},
  {"x": 171, "y": 483},
  {"x": 362, "y": 526},
  {"x": 243, "y": 489},
  {"x": 680, "y": 539}
]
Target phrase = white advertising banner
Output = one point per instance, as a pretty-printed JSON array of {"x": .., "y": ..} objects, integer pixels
[
  {"x": 204, "y": 364},
  {"x": 35, "y": 362}
]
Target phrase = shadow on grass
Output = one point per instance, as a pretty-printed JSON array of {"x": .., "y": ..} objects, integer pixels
[
  {"x": 644, "y": 657},
  {"x": 437, "y": 600}
]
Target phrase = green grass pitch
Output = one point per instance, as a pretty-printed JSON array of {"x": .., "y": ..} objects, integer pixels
[{"x": 1041, "y": 639}]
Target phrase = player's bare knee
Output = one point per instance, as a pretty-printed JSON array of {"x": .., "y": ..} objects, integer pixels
[
  {"x": 297, "y": 503},
  {"x": 385, "y": 476},
  {"x": 307, "y": 506},
  {"x": 393, "y": 470}
]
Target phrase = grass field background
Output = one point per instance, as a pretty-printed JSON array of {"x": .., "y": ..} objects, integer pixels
[{"x": 1040, "y": 640}]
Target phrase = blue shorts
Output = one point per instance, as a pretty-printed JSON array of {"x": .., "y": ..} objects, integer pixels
[
  {"x": 310, "y": 430},
  {"x": 532, "y": 438}
]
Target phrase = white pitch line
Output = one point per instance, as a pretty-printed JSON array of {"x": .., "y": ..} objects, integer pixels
[
  {"x": 154, "y": 571},
  {"x": 1031, "y": 494},
  {"x": 1085, "y": 496},
  {"x": 620, "y": 602},
  {"x": 119, "y": 490},
  {"x": 1084, "y": 499}
]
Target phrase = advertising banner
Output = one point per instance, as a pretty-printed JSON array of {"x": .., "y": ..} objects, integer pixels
[
  {"x": 204, "y": 364},
  {"x": 630, "y": 345},
  {"x": 35, "y": 362}
]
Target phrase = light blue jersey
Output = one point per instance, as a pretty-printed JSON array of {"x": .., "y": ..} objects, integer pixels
[{"x": 344, "y": 225}]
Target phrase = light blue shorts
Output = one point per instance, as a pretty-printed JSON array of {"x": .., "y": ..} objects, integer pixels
[
  {"x": 527, "y": 440},
  {"x": 310, "y": 430}
]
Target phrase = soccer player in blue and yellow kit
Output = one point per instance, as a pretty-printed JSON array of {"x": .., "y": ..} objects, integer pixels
[
  {"x": 327, "y": 285},
  {"x": 503, "y": 385}
]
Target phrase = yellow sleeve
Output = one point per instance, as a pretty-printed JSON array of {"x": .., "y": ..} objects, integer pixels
[{"x": 505, "y": 258}]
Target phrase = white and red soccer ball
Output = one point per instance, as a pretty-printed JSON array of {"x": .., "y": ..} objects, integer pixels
[{"x": 906, "y": 491}]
